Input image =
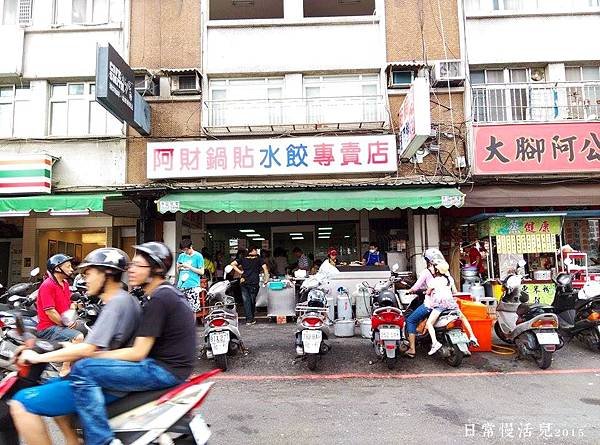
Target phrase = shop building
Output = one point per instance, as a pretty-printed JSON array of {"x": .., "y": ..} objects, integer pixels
[
  {"x": 534, "y": 121},
  {"x": 61, "y": 151},
  {"x": 287, "y": 128}
]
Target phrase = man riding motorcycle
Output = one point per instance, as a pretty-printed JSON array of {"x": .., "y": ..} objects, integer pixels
[
  {"x": 162, "y": 355},
  {"x": 54, "y": 298},
  {"x": 115, "y": 327}
]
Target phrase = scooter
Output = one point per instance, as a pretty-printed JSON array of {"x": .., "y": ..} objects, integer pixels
[
  {"x": 312, "y": 327},
  {"x": 387, "y": 323},
  {"x": 448, "y": 331},
  {"x": 21, "y": 289},
  {"x": 578, "y": 312},
  {"x": 165, "y": 416},
  {"x": 221, "y": 330},
  {"x": 532, "y": 328}
]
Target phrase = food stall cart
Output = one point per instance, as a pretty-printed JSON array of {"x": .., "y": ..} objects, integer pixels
[{"x": 536, "y": 238}]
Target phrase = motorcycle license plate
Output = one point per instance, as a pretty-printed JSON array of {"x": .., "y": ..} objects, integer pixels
[
  {"x": 547, "y": 338},
  {"x": 219, "y": 342},
  {"x": 389, "y": 334},
  {"x": 311, "y": 341},
  {"x": 200, "y": 430},
  {"x": 457, "y": 337}
]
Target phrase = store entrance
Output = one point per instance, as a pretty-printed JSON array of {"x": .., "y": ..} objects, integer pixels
[{"x": 286, "y": 238}]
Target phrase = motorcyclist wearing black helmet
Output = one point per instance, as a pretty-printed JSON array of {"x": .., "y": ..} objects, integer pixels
[
  {"x": 102, "y": 269},
  {"x": 54, "y": 299},
  {"x": 161, "y": 356}
]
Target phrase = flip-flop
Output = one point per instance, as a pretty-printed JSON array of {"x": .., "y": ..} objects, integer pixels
[{"x": 411, "y": 356}]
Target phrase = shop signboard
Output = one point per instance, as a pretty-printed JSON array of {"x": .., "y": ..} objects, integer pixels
[
  {"x": 25, "y": 174},
  {"x": 297, "y": 156},
  {"x": 537, "y": 148},
  {"x": 523, "y": 225},
  {"x": 115, "y": 90},
  {"x": 415, "y": 118}
]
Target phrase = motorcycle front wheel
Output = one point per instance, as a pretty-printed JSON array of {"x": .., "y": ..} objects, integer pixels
[
  {"x": 543, "y": 358},
  {"x": 456, "y": 356},
  {"x": 221, "y": 361}
]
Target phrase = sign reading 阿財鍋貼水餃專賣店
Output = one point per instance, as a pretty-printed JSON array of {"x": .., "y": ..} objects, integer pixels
[
  {"x": 25, "y": 174},
  {"x": 560, "y": 147},
  {"x": 521, "y": 225},
  {"x": 268, "y": 157}
]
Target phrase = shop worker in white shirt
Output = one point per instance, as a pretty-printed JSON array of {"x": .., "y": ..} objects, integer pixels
[{"x": 190, "y": 265}]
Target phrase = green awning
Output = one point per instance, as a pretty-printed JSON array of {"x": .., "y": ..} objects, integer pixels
[
  {"x": 276, "y": 201},
  {"x": 68, "y": 202}
]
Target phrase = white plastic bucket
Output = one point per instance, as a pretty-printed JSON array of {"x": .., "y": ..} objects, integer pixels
[
  {"x": 344, "y": 308},
  {"x": 365, "y": 328},
  {"x": 344, "y": 328}
]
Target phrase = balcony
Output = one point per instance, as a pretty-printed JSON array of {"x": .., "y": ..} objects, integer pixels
[
  {"x": 539, "y": 102},
  {"x": 291, "y": 115}
]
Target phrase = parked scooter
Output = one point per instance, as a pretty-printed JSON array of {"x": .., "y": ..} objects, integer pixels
[
  {"x": 387, "y": 323},
  {"x": 578, "y": 312},
  {"x": 22, "y": 290},
  {"x": 221, "y": 327},
  {"x": 532, "y": 328},
  {"x": 312, "y": 329},
  {"x": 164, "y": 416}
]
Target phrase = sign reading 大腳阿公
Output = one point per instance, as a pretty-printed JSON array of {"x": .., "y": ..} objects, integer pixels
[{"x": 115, "y": 90}]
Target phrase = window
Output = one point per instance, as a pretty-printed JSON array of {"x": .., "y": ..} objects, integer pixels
[
  {"x": 75, "y": 112},
  {"x": 9, "y": 12},
  {"x": 14, "y": 110},
  {"x": 583, "y": 91},
  {"x": 342, "y": 98},
  {"x": 88, "y": 11},
  {"x": 246, "y": 101},
  {"x": 401, "y": 78}
]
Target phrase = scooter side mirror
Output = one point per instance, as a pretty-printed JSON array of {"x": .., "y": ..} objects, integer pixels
[
  {"x": 395, "y": 268},
  {"x": 14, "y": 298},
  {"x": 228, "y": 269},
  {"x": 34, "y": 272}
]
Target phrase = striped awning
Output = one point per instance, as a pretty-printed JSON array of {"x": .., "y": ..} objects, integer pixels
[{"x": 25, "y": 174}]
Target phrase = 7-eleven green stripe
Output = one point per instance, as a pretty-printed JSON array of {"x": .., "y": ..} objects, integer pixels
[{"x": 24, "y": 173}]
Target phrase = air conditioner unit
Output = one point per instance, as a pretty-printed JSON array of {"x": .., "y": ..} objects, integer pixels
[
  {"x": 400, "y": 78},
  {"x": 448, "y": 72},
  {"x": 146, "y": 84},
  {"x": 188, "y": 83}
]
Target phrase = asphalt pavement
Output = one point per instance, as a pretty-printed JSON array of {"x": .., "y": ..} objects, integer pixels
[{"x": 270, "y": 396}]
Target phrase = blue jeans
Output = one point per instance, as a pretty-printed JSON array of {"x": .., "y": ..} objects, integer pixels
[
  {"x": 415, "y": 318},
  {"x": 89, "y": 376},
  {"x": 249, "y": 293}
]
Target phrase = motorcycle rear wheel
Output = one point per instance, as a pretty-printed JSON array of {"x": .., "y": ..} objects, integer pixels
[
  {"x": 311, "y": 360},
  {"x": 455, "y": 358},
  {"x": 221, "y": 361},
  {"x": 543, "y": 358}
]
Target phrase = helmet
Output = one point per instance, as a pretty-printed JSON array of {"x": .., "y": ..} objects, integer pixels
[
  {"x": 432, "y": 253},
  {"x": 441, "y": 265},
  {"x": 158, "y": 254},
  {"x": 80, "y": 284},
  {"x": 564, "y": 282},
  {"x": 316, "y": 298},
  {"x": 57, "y": 260},
  {"x": 106, "y": 257}
]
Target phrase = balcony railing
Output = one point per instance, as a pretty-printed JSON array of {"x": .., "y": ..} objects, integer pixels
[
  {"x": 540, "y": 102},
  {"x": 295, "y": 114}
]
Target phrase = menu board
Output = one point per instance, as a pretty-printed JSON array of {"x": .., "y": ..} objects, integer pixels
[{"x": 536, "y": 243}]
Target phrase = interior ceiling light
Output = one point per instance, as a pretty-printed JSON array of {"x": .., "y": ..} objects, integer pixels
[
  {"x": 325, "y": 228},
  {"x": 247, "y": 230},
  {"x": 297, "y": 237},
  {"x": 324, "y": 237},
  {"x": 259, "y": 239},
  {"x": 69, "y": 212},
  {"x": 252, "y": 235},
  {"x": 346, "y": 236},
  {"x": 10, "y": 213},
  {"x": 296, "y": 234}
]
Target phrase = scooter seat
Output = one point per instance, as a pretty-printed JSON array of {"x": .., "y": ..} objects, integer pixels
[{"x": 133, "y": 400}]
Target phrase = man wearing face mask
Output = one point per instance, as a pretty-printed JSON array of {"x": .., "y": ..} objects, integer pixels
[{"x": 373, "y": 257}]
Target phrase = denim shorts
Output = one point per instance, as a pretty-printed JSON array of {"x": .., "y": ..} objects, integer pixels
[
  {"x": 58, "y": 333},
  {"x": 52, "y": 399}
]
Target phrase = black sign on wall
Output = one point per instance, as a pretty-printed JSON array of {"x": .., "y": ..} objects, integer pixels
[{"x": 114, "y": 84}]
